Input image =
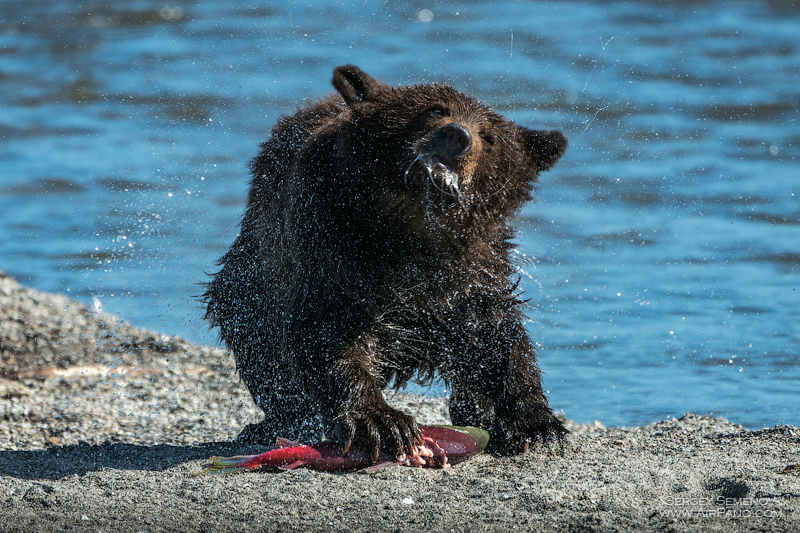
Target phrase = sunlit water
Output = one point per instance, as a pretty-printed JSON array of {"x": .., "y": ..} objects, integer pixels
[{"x": 662, "y": 258}]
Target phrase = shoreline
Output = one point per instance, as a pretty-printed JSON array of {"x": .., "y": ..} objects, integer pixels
[{"x": 104, "y": 425}]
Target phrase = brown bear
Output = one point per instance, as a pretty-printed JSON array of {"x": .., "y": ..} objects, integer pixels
[{"x": 375, "y": 250}]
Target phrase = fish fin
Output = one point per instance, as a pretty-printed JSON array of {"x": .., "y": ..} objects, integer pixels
[
  {"x": 380, "y": 466},
  {"x": 286, "y": 443},
  {"x": 292, "y": 466},
  {"x": 218, "y": 471},
  {"x": 223, "y": 465}
]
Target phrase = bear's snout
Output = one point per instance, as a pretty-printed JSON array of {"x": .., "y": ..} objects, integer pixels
[{"x": 454, "y": 140}]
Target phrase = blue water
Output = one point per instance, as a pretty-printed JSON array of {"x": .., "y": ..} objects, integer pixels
[{"x": 662, "y": 257}]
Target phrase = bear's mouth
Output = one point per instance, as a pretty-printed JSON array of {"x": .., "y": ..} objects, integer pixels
[
  {"x": 440, "y": 174},
  {"x": 440, "y": 162}
]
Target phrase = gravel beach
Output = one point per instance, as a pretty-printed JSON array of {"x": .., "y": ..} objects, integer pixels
[{"x": 104, "y": 426}]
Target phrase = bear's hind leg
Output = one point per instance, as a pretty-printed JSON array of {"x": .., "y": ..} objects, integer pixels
[{"x": 288, "y": 412}]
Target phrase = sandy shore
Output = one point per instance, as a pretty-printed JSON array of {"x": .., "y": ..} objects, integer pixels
[{"x": 103, "y": 426}]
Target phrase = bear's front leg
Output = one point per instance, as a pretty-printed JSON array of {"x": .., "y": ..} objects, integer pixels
[
  {"x": 497, "y": 386},
  {"x": 350, "y": 399}
]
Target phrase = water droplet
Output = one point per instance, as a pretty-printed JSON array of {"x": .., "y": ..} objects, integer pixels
[{"x": 425, "y": 15}]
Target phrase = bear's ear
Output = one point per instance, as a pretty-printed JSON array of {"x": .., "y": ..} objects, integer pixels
[
  {"x": 545, "y": 147},
  {"x": 355, "y": 85}
]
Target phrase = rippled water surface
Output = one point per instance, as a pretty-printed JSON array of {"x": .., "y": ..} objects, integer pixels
[{"x": 662, "y": 257}]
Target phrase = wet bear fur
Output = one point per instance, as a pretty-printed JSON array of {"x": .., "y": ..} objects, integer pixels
[{"x": 375, "y": 250}]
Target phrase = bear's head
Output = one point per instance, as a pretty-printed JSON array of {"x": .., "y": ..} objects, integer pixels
[{"x": 434, "y": 147}]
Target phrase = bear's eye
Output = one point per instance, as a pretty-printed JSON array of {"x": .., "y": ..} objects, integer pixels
[
  {"x": 438, "y": 110},
  {"x": 488, "y": 139}
]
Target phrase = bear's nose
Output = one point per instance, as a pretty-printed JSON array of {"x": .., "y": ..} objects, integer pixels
[{"x": 454, "y": 139}]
